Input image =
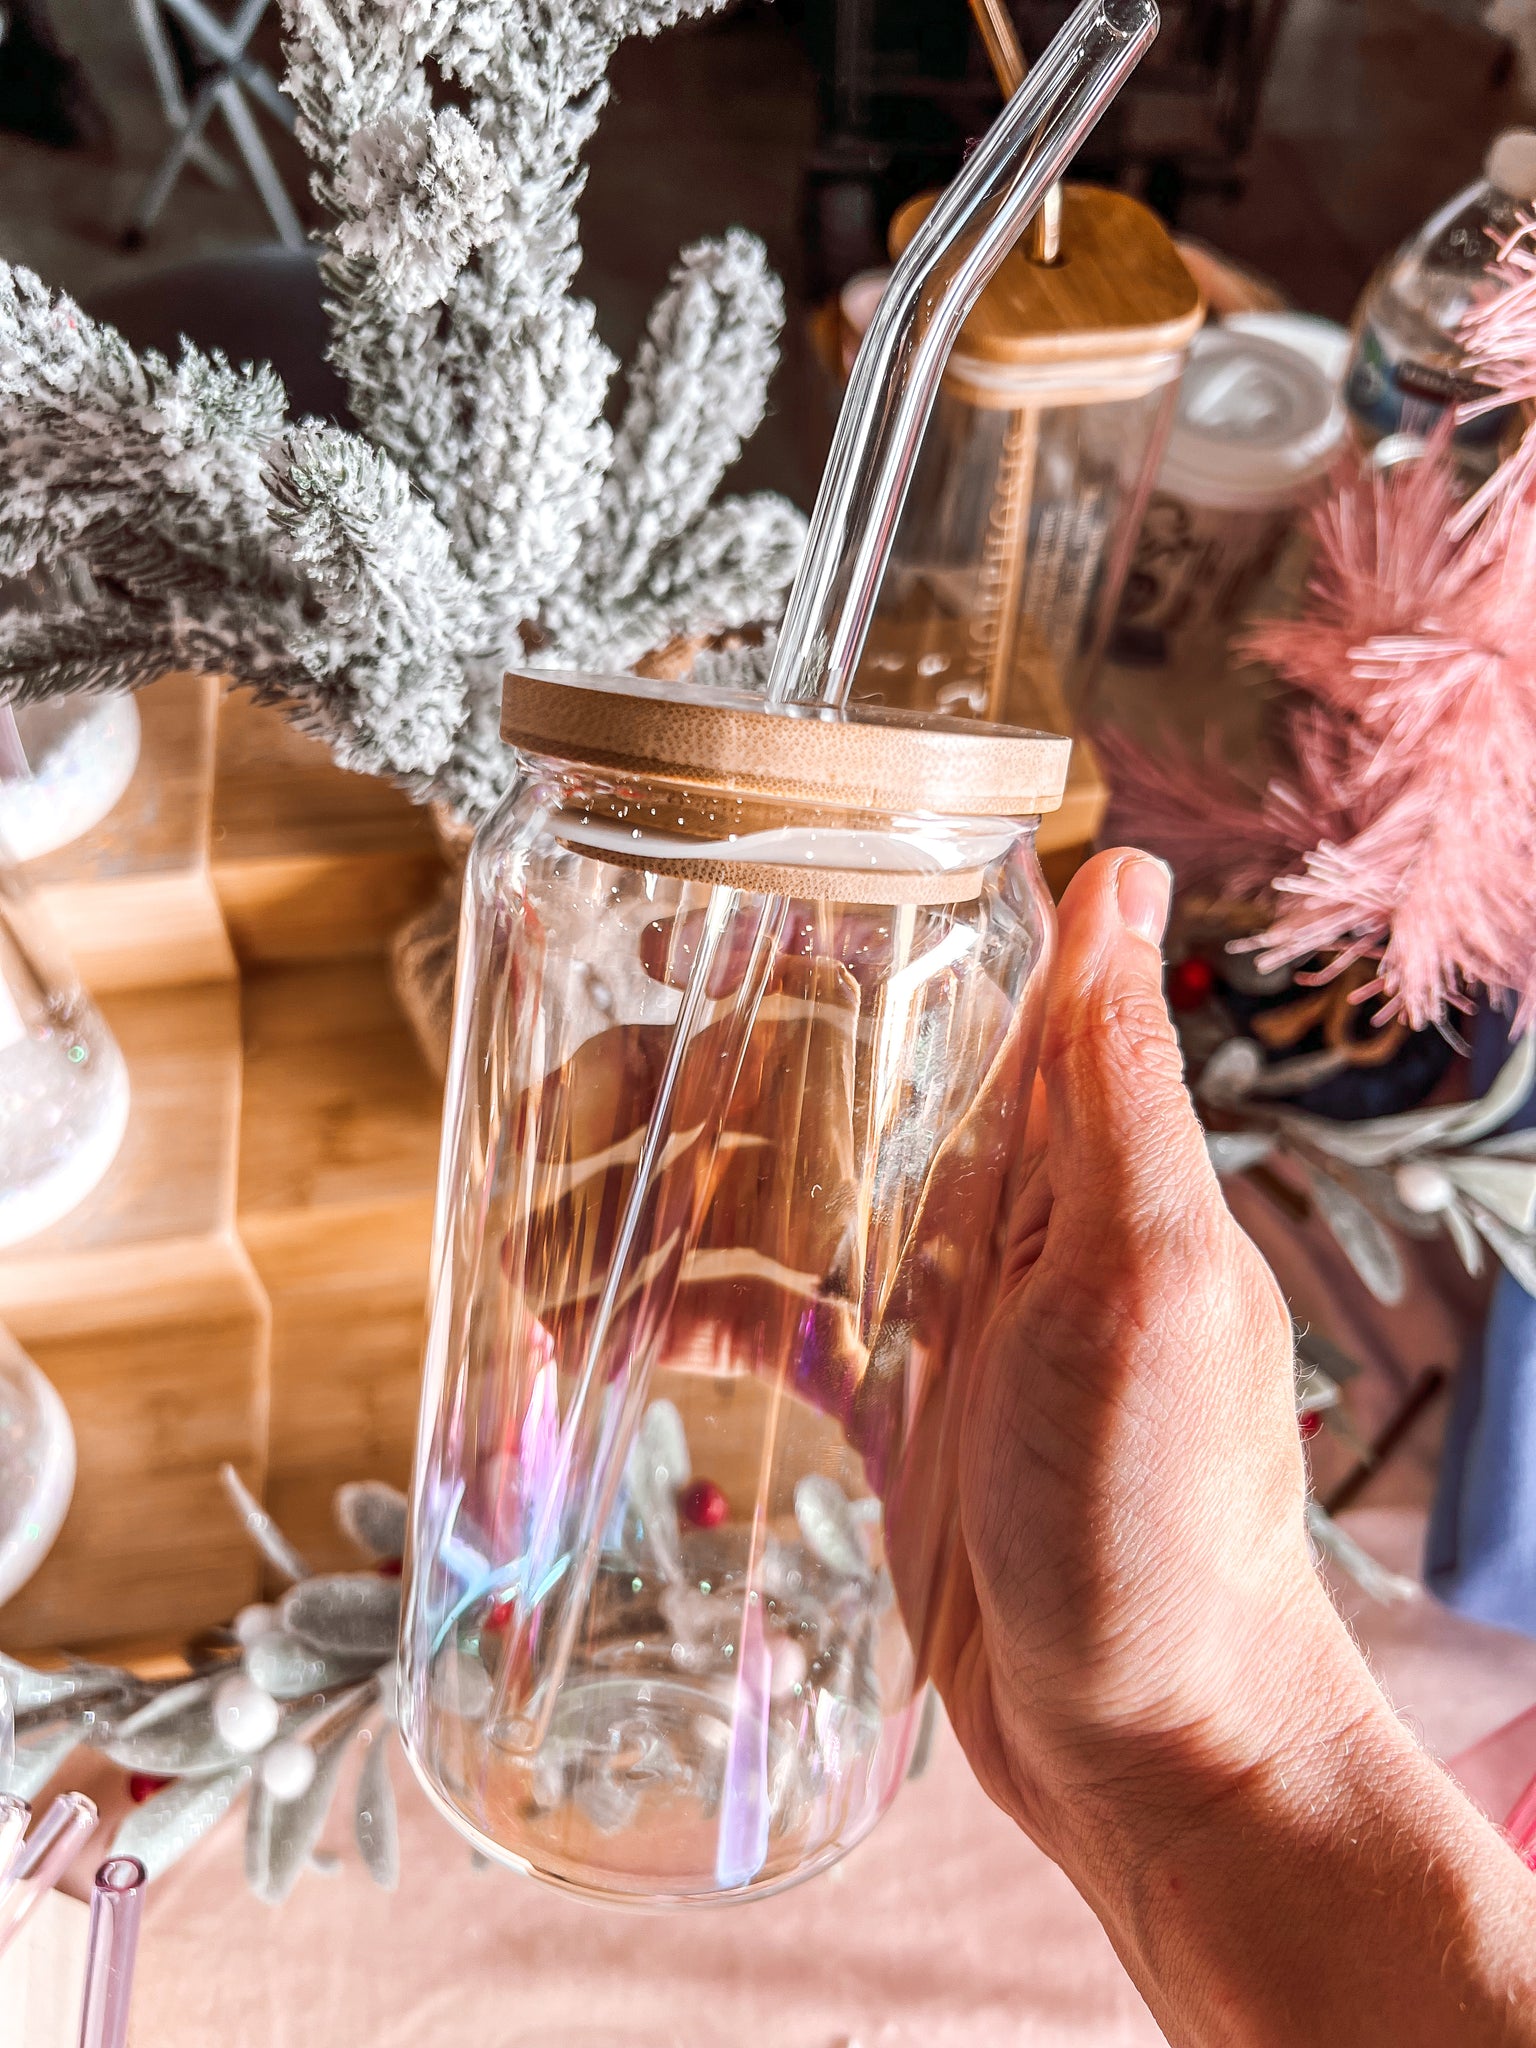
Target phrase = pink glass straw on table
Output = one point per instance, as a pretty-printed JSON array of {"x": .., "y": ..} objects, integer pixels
[
  {"x": 41, "y": 1860},
  {"x": 895, "y": 381},
  {"x": 117, "y": 1899}
]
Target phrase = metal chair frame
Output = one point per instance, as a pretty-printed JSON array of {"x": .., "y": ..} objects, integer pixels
[{"x": 232, "y": 73}]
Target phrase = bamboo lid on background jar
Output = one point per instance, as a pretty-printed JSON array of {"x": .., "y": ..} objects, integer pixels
[{"x": 1119, "y": 292}]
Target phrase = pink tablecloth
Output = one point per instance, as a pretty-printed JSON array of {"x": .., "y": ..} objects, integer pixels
[{"x": 945, "y": 1927}]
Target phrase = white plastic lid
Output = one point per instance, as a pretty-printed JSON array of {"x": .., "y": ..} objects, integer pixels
[
  {"x": 1510, "y": 165},
  {"x": 1257, "y": 423},
  {"x": 1321, "y": 341}
]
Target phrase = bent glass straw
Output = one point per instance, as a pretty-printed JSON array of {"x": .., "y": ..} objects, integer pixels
[
  {"x": 948, "y": 264},
  {"x": 117, "y": 1898},
  {"x": 896, "y": 376},
  {"x": 48, "y": 1852}
]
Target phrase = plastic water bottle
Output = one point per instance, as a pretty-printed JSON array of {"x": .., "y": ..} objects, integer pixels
[{"x": 1406, "y": 366}]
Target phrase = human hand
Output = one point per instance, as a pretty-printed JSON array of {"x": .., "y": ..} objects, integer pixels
[
  {"x": 1131, "y": 1480},
  {"x": 1136, "y": 1652}
]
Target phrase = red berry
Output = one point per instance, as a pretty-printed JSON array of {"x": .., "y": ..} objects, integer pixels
[
  {"x": 1310, "y": 1424},
  {"x": 703, "y": 1505},
  {"x": 144, "y": 1785},
  {"x": 1190, "y": 982},
  {"x": 498, "y": 1618},
  {"x": 389, "y": 1567}
]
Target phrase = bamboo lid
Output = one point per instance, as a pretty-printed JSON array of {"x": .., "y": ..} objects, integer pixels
[
  {"x": 1120, "y": 289},
  {"x": 866, "y": 757}
]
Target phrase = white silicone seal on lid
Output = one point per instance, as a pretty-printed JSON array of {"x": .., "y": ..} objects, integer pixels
[{"x": 1257, "y": 423}]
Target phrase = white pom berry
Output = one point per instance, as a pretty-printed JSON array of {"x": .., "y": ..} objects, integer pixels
[
  {"x": 1231, "y": 1070},
  {"x": 245, "y": 1716},
  {"x": 255, "y": 1620},
  {"x": 1424, "y": 1188},
  {"x": 288, "y": 1769}
]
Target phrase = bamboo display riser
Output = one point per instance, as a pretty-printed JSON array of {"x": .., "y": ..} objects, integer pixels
[
  {"x": 309, "y": 862},
  {"x": 338, "y": 1160},
  {"x": 134, "y": 900},
  {"x": 247, "y": 1283},
  {"x": 144, "y": 1310}
]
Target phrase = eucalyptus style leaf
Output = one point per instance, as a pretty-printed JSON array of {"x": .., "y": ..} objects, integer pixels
[
  {"x": 1505, "y": 1186},
  {"x": 34, "y": 1763},
  {"x": 1508, "y": 1145},
  {"x": 1306, "y": 1070},
  {"x": 1229, "y": 1074},
  {"x": 373, "y": 1516},
  {"x": 1313, "y": 1348},
  {"x": 1517, "y": 1253},
  {"x": 280, "y": 1834},
  {"x": 274, "y": 1546},
  {"x": 658, "y": 1464},
  {"x": 1364, "y": 1241},
  {"x": 1463, "y": 1234},
  {"x": 348, "y": 1614},
  {"x": 76, "y": 1682},
  {"x": 167, "y": 1824},
  {"x": 1357, "y": 1563},
  {"x": 1235, "y": 1151},
  {"x": 1385, "y": 1139},
  {"x": 175, "y": 1735},
  {"x": 1315, "y": 1389},
  {"x": 375, "y": 1824},
  {"x": 290, "y": 1669}
]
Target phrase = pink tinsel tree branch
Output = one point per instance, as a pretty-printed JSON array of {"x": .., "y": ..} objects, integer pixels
[{"x": 1407, "y": 829}]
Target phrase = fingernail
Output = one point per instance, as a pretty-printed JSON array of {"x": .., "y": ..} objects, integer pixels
[{"x": 1143, "y": 891}]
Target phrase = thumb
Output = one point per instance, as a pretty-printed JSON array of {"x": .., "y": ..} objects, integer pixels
[{"x": 1127, "y": 1156}]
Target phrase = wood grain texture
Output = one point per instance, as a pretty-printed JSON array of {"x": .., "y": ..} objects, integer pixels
[
  {"x": 133, "y": 899},
  {"x": 339, "y": 1139},
  {"x": 145, "y": 1312},
  {"x": 1120, "y": 289},
  {"x": 878, "y": 759},
  {"x": 308, "y": 861},
  {"x": 173, "y": 1181}
]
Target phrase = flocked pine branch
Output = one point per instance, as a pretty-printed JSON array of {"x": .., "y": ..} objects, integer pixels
[
  {"x": 376, "y": 582},
  {"x": 399, "y": 621}
]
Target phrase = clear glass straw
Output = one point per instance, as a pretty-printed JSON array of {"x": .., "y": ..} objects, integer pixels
[
  {"x": 117, "y": 1899},
  {"x": 948, "y": 264},
  {"x": 53, "y": 1845}
]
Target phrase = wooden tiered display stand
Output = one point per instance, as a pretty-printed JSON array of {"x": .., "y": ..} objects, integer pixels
[{"x": 248, "y": 1283}]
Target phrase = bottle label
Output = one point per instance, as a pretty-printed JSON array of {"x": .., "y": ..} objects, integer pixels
[
  {"x": 1195, "y": 568},
  {"x": 1390, "y": 392}
]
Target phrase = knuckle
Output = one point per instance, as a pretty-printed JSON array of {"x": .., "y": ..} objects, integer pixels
[{"x": 1135, "y": 1022}]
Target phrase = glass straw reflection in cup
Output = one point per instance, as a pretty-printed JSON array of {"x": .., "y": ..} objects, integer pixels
[
  {"x": 53, "y": 1845},
  {"x": 117, "y": 1898}
]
